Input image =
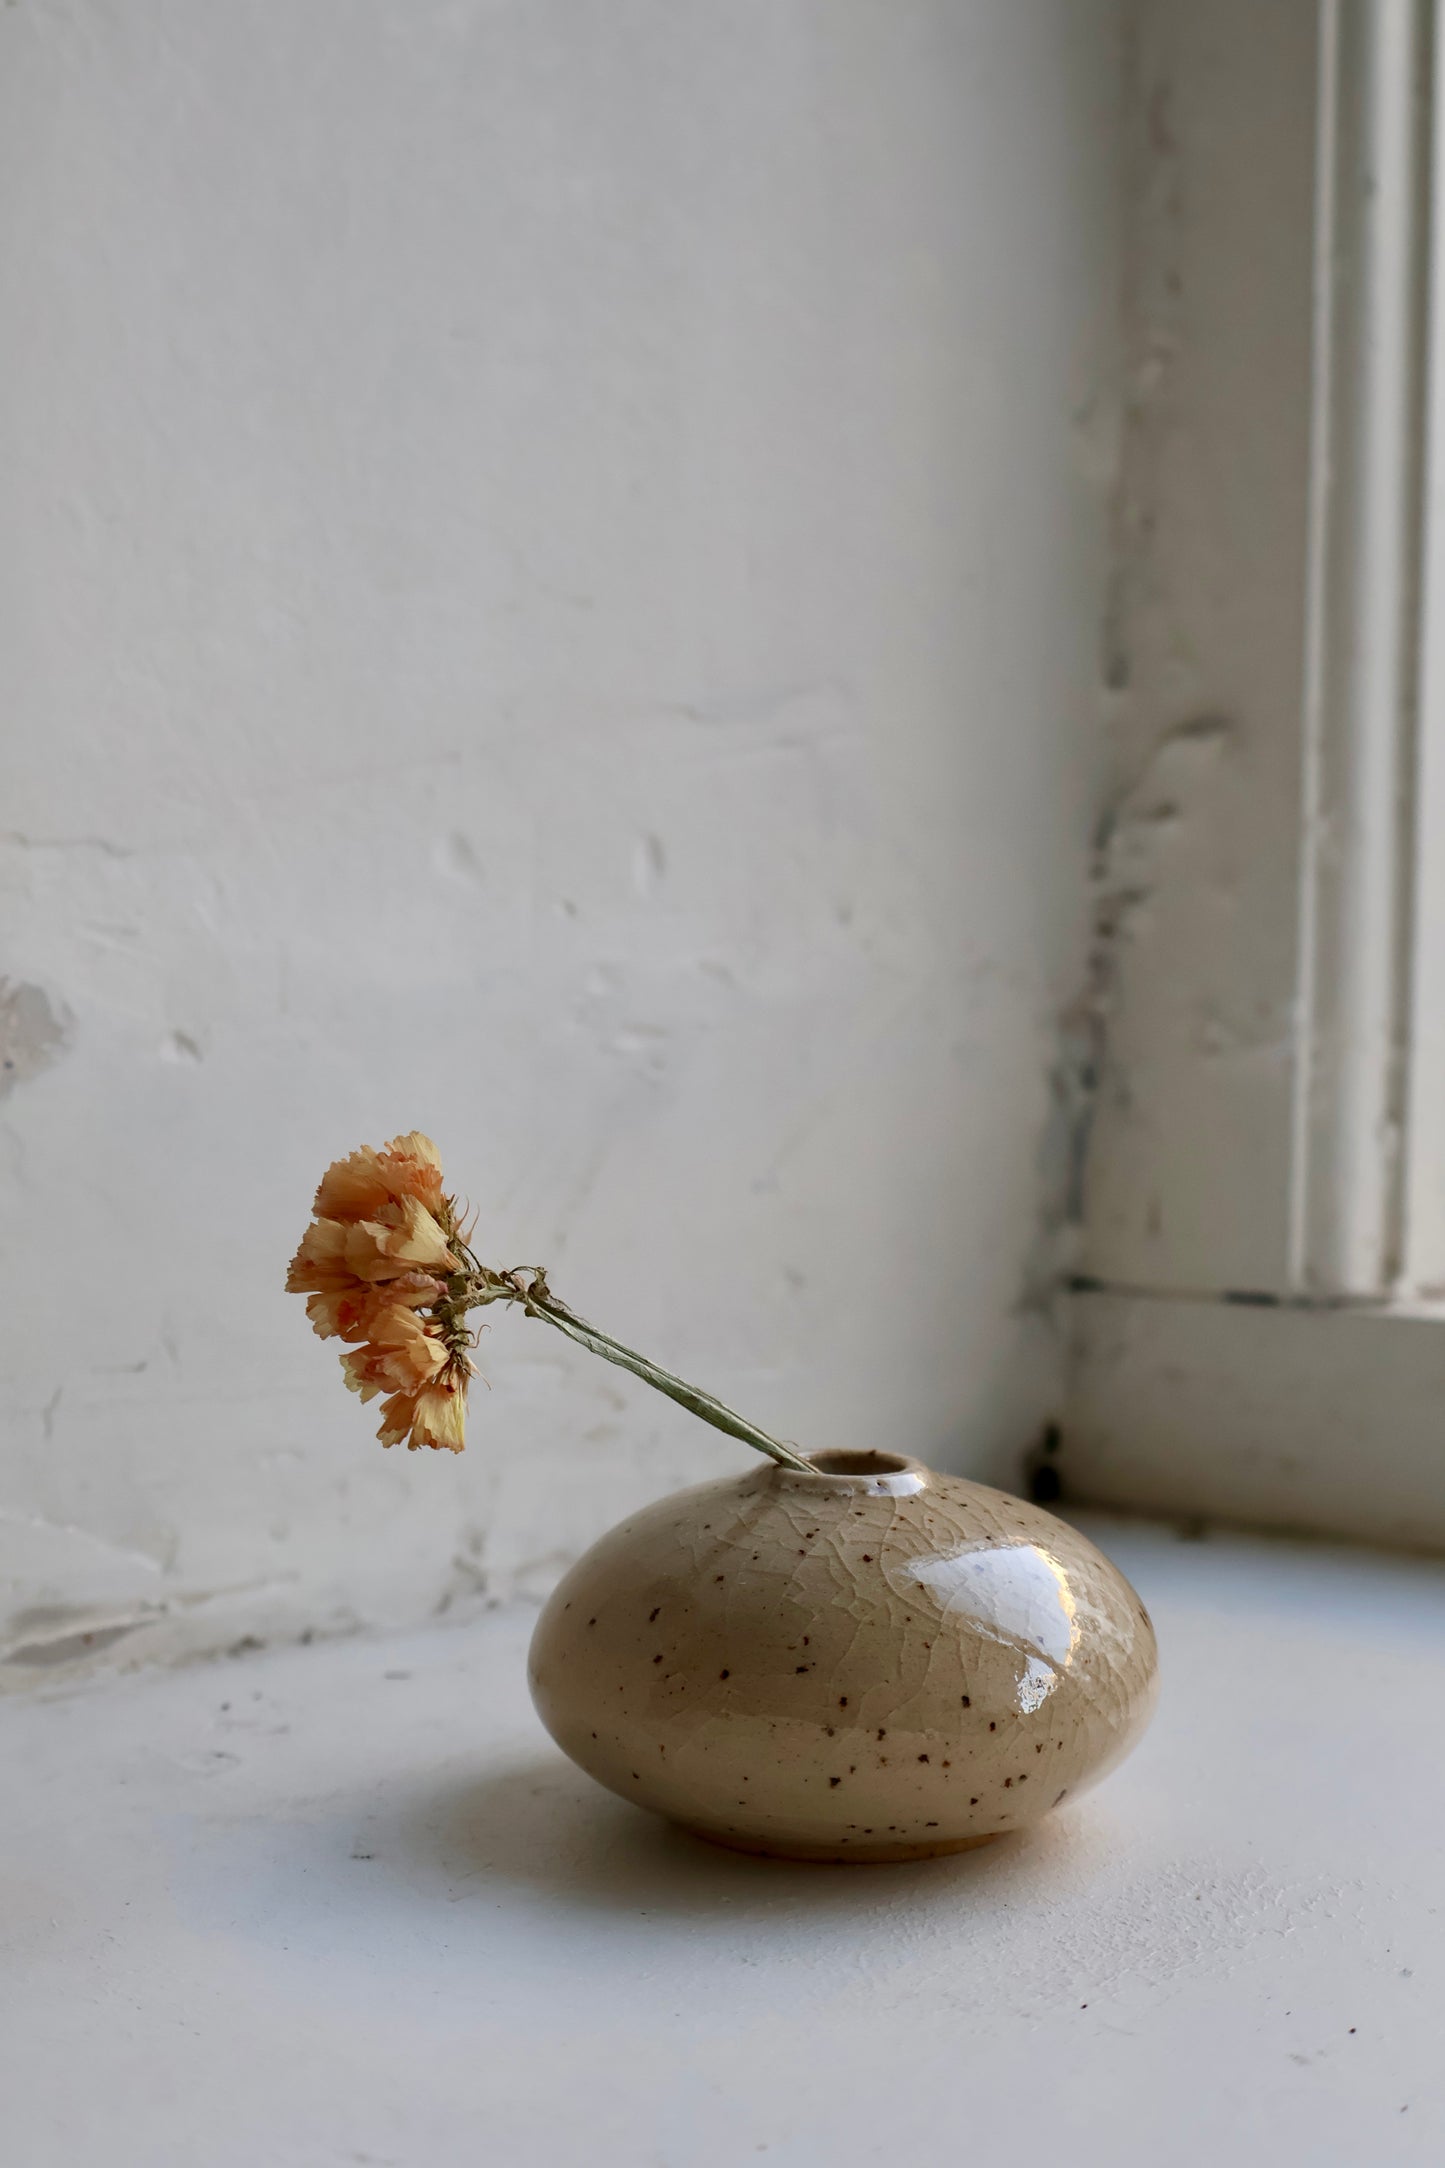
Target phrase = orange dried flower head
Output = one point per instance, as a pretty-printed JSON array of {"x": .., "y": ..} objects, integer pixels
[
  {"x": 375, "y": 1264},
  {"x": 357, "y": 1187}
]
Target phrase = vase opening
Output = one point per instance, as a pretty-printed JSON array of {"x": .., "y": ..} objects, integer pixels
[
  {"x": 860, "y": 1463},
  {"x": 878, "y": 1475}
]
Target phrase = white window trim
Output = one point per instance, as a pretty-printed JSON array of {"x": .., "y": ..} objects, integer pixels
[
  {"x": 1254, "y": 1335},
  {"x": 1351, "y": 1173}
]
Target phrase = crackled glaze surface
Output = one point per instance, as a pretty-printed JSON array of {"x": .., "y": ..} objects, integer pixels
[{"x": 870, "y": 1662}]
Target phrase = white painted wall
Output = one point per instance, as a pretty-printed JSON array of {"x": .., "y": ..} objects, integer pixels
[{"x": 548, "y": 590}]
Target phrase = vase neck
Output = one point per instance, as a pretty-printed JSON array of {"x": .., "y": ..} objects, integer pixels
[{"x": 874, "y": 1475}]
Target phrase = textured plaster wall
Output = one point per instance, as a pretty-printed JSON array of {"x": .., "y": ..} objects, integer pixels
[{"x": 549, "y": 590}]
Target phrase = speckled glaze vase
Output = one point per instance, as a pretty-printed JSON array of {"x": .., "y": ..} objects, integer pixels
[{"x": 866, "y": 1662}]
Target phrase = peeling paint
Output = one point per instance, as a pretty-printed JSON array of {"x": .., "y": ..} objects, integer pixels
[
  {"x": 1131, "y": 839},
  {"x": 47, "y": 1636},
  {"x": 69, "y": 1648},
  {"x": 34, "y": 1033},
  {"x": 41, "y": 1523}
]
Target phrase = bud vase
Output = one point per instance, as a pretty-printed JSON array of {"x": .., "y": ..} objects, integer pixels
[{"x": 864, "y": 1662}]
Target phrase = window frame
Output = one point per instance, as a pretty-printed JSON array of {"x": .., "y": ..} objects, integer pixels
[{"x": 1255, "y": 1330}]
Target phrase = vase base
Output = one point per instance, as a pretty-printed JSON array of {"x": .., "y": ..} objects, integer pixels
[{"x": 832, "y": 1853}]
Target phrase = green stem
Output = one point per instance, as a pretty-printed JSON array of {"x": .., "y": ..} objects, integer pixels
[{"x": 705, "y": 1405}]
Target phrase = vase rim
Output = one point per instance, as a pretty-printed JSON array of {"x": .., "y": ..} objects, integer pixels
[{"x": 878, "y": 1474}]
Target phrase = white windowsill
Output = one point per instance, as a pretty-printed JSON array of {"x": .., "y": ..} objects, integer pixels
[
  {"x": 346, "y": 1905},
  {"x": 1308, "y": 1419}
]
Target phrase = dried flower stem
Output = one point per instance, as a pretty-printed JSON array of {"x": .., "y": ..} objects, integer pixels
[
  {"x": 529, "y": 1288},
  {"x": 387, "y": 1267},
  {"x": 706, "y": 1405}
]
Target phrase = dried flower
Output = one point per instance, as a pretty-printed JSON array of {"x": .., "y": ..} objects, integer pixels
[
  {"x": 386, "y": 1267},
  {"x": 376, "y": 1264},
  {"x": 358, "y": 1187}
]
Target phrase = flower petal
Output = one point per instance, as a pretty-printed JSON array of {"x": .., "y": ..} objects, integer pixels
[
  {"x": 319, "y": 1266},
  {"x": 407, "y": 1236},
  {"x": 357, "y": 1187},
  {"x": 441, "y": 1417},
  {"x": 397, "y": 1416},
  {"x": 411, "y": 1166},
  {"x": 352, "y": 1188}
]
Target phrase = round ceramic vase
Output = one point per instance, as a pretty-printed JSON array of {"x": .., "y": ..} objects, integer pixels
[{"x": 866, "y": 1662}]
